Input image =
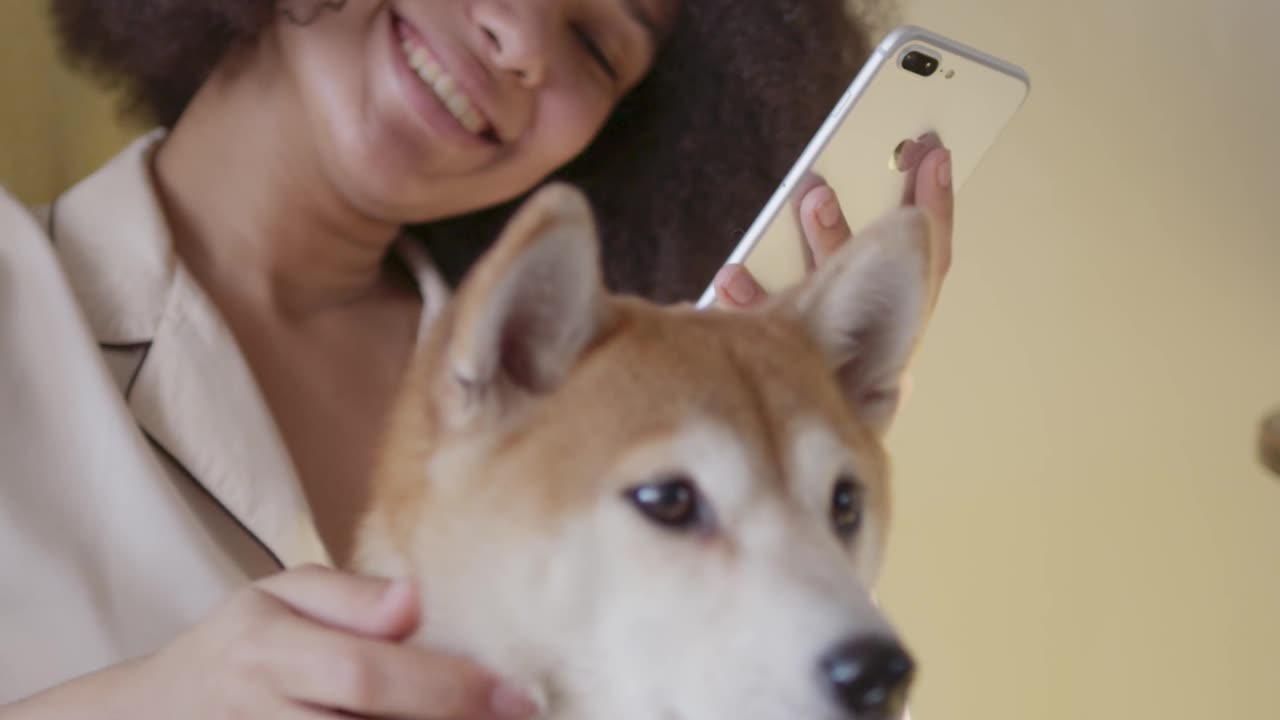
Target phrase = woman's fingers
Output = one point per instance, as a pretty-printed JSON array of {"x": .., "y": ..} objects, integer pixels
[
  {"x": 824, "y": 224},
  {"x": 935, "y": 195},
  {"x": 341, "y": 653},
  {"x": 368, "y": 606},
  {"x": 736, "y": 288},
  {"x": 322, "y": 668}
]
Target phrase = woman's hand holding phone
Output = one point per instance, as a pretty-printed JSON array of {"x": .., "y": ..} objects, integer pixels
[{"x": 928, "y": 186}]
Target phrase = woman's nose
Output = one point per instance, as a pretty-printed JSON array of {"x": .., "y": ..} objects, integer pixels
[{"x": 518, "y": 37}]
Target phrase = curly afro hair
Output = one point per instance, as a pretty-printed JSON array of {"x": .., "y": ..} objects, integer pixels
[{"x": 682, "y": 167}]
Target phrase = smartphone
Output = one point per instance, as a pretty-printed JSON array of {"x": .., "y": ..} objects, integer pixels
[{"x": 915, "y": 83}]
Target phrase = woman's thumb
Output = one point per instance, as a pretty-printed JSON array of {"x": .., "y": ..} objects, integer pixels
[{"x": 374, "y": 607}]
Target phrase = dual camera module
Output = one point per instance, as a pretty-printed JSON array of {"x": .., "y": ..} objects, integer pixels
[{"x": 919, "y": 63}]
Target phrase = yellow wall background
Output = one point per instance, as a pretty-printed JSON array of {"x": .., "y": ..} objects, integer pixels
[
  {"x": 55, "y": 126},
  {"x": 1082, "y": 528}
]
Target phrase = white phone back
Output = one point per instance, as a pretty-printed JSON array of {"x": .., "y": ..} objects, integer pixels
[{"x": 967, "y": 102}]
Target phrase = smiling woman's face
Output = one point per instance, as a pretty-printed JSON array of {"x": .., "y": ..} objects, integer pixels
[{"x": 423, "y": 109}]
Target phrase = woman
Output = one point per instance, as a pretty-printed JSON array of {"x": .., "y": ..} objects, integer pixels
[{"x": 202, "y": 339}]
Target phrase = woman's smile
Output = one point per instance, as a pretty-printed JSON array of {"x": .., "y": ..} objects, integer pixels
[{"x": 448, "y": 98}]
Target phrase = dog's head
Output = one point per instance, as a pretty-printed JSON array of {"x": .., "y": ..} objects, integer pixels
[{"x": 657, "y": 513}]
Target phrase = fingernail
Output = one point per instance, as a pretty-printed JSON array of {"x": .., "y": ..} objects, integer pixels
[
  {"x": 944, "y": 172},
  {"x": 829, "y": 212},
  {"x": 397, "y": 592},
  {"x": 510, "y": 702},
  {"x": 741, "y": 289}
]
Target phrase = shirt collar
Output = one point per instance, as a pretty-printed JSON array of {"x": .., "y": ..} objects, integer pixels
[
  {"x": 193, "y": 394},
  {"x": 113, "y": 241}
]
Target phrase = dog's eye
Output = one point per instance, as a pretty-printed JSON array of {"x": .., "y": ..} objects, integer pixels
[
  {"x": 672, "y": 502},
  {"x": 846, "y": 507}
]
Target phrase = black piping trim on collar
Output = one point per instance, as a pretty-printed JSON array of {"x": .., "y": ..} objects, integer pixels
[
  {"x": 144, "y": 346},
  {"x": 52, "y": 227},
  {"x": 126, "y": 345},
  {"x": 146, "y": 349},
  {"x": 128, "y": 390},
  {"x": 194, "y": 481}
]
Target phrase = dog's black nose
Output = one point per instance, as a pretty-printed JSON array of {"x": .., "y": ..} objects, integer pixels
[{"x": 869, "y": 677}]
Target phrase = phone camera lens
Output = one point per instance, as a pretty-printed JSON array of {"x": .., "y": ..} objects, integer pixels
[{"x": 919, "y": 63}]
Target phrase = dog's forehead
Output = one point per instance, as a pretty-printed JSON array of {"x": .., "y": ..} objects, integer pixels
[
  {"x": 751, "y": 393},
  {"x": 767, "y": 357},
  {"x": 760, "y": 374}
]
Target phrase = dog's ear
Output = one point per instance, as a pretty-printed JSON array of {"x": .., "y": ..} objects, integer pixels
[
  {"x": 531, "y": 305},
  {"x": 867, "y": 307}
]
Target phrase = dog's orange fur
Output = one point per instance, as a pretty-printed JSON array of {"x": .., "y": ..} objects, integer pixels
[{"x": 651, "y": 369}]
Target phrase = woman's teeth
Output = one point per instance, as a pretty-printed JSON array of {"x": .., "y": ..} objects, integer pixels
[{"x": 445, "y": 88}]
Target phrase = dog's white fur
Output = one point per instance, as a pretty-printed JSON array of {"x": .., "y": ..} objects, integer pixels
[{"x": 540, "y": 399}]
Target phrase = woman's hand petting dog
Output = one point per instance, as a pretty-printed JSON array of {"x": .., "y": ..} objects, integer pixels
[
  {"x": 307, "y": 643},
  {"x": 928, "y": 186}
]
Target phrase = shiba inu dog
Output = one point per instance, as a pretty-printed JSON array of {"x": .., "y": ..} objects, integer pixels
[{"x": 649, "y": 513}]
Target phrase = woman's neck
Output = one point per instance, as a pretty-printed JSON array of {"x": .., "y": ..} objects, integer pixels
[{"x": 253, "y": 213}]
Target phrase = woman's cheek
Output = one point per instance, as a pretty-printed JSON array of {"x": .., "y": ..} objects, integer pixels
[{"x": 570, "y": 117}]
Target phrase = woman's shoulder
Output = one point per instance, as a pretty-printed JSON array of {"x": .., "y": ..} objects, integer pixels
[
  {"x": 21, "y": 223},
  {"x": 33, "y": 283},
  {"x": 24, "y": 236},
  {"x": 46, "y": 263},
  {"x": 16, "y": 217}
]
